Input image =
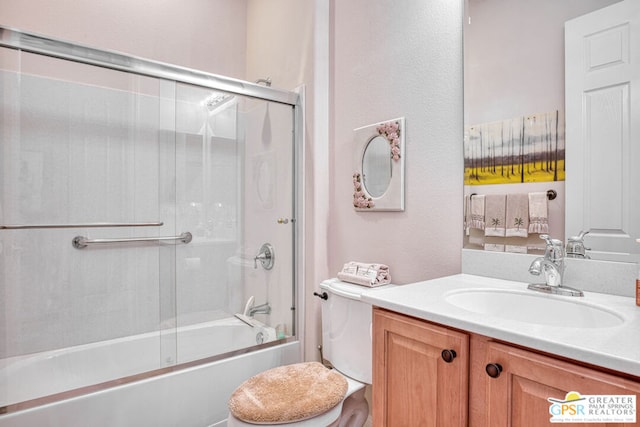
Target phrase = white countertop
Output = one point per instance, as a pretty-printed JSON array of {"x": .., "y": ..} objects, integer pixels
[{"x": 615, "y": 347}]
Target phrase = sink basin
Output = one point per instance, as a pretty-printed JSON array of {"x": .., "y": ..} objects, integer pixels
[{"x": 534, "y": 308}]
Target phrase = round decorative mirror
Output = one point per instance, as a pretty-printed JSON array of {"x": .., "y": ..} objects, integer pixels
[
  {"x": 376, "y": 166},
  {"x": 378, "y": 181}
]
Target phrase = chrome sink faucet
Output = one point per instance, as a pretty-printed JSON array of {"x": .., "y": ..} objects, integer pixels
[{"x": 552, "y": 265}]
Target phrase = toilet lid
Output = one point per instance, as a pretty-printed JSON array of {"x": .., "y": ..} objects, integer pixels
[{"x": 288, "y": 393}]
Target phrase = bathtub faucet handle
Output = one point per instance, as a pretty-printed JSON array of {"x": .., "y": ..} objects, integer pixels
[{"x": 266, "y": 256}]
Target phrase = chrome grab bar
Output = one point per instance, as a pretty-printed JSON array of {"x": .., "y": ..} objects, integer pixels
[
  {"x": 80, "y": 242},
  {"x": 88, "y": 225}
]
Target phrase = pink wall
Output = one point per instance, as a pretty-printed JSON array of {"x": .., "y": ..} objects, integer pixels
[
  {"x": 390, "y": 62},
  {"x": 208, "y": 35},
  {"x": 383, "y": 62},
  {"x": 519, "y": 75}
]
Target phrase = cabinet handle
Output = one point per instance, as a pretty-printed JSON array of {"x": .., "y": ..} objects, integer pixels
[
  {"x": 493, "y": 370},
  {"x": 448, "y": 355}
]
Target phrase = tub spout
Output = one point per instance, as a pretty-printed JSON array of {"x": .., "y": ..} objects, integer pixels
[
  {"x": 260, "y": 309},
  {"x": 250, "y": 309}
]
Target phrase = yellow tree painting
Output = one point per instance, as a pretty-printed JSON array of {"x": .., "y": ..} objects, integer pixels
[{"x": 523, "y": 149}]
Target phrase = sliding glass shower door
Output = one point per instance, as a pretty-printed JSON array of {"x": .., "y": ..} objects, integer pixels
[
  {"x": 234, "y": 191},
  {"x": 134, "y": 210}
]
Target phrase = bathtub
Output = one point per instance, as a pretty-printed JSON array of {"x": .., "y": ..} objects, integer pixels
[{"x": 160, "y": 400}]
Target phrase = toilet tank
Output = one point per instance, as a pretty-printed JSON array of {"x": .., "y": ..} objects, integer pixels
[{"x": 346, "y": 329}]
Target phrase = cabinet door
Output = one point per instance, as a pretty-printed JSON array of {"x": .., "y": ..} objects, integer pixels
[
  {"x": 518, "y": 397},
  {"x": 413, "y": 385}
]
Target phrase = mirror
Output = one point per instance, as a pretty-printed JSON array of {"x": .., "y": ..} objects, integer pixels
[
  {"x": 376, "y": 166},
  {"x": 514, "y": 73},
  {"x": 378, "y": 180}
]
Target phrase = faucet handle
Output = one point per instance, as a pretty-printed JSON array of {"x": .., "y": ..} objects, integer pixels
[
  {"x": 550, "y": 241},
  {"x": 555, "y": 248},
  {"x": 575, "y": 246},
  {"x": 547, "y": 239},
  {"x": 266, "y": 256}
]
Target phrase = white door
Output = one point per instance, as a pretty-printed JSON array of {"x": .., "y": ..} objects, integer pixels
[{"x": 602, "y": 65}]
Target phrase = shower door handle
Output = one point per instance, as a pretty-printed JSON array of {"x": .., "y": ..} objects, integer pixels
[{"x": 80, "y": 242}]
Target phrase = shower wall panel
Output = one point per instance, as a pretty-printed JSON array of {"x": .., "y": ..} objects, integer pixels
[{"x": 76, "y": 154}]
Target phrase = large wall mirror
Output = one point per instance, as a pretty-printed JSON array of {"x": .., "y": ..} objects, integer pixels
[{"x": 514, "y": 89}]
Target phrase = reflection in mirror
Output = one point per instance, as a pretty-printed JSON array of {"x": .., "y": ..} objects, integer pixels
[
  {"x": 514, "y": 69},
  {"x": 376, "y": 166}
]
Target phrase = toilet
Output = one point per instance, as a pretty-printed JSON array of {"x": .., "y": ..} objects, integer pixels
[{"x": 347, "y": 344}]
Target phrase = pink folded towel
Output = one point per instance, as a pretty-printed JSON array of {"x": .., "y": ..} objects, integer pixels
[{"x": 365, "y": 274}]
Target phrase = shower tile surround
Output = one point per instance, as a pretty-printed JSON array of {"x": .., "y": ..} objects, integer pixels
[{"x": 81, "y": 153}]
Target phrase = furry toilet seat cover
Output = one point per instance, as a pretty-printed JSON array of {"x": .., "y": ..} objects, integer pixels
[{"x": 288, "y": 393}]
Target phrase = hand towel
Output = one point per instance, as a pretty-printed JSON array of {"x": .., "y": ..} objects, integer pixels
[
  {"x": 467, "y": 214},
  {"x": 477, "y": 212},
  {"x": 365, "y": 274},
  {"x": 495, "y": 214},
  {"x": 538, "y": 213},
  {"x": 517, "y": 215}
]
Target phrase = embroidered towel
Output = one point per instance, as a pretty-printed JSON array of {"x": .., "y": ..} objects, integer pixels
[
  {"x": 517, "y": 215},
  {"x": 538, "y": 213},
  {"x": 495, "y": 214},
  {"x": 477, "y": 212},
  {"x": 365, "y": 274}
]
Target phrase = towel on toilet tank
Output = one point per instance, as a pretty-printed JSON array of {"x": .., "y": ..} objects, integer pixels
[{"x": 365, "y": 274}]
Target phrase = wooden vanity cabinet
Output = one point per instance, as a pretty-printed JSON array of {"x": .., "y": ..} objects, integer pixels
[
  {"x": 414, "y": 386},
  {"x": 420, "y": 373},
  {"x": 517, "y": 396}
]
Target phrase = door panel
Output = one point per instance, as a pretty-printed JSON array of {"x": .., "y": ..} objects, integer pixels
[{"x": 602, "y": 57}]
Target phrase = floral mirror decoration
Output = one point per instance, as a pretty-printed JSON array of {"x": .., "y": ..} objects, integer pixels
[{"x": 378, "y": 180}]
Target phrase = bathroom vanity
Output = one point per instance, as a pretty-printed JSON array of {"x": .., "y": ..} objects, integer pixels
[{"x": 445, "y": 359}]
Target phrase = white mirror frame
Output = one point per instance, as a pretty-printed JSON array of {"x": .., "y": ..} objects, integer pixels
[{"x": 393, "y": 198}]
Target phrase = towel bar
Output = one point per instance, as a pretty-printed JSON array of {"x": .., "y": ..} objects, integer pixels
[
  {"x": 87, "y": 225},
  {"x": 80, "y": 242},
  {"x": 551, "y": 194}
]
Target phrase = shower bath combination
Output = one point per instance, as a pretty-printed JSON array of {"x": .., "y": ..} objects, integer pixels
[{"x": 130, "y": 226}]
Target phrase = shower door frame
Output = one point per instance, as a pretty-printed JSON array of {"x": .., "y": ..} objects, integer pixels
[{"x": 60, "y": 49}]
